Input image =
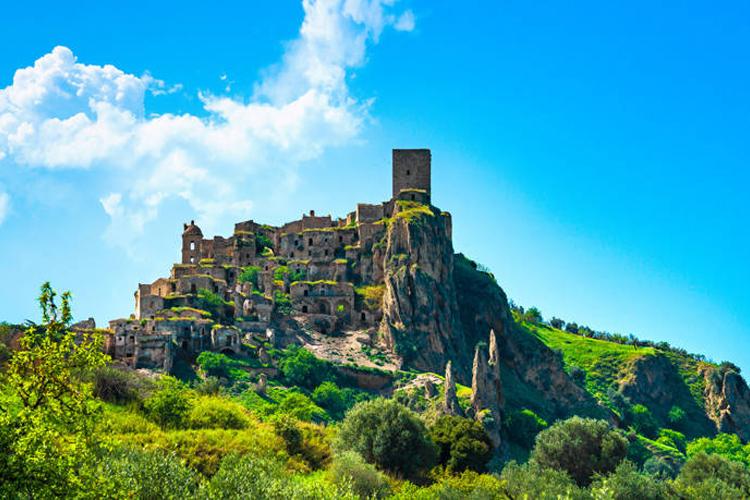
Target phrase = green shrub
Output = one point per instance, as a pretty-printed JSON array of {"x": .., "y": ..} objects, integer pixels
[
  {"x": 581, "y": 447},
  {"x": 389, "y": 435},
  {"x": 148, "y": 474},
  {"x": 301, "y": 407},
  {"x": 209, "y": 386},
  {"x": 211, "y": 412},
  {"x": 266, "y": 478},
  {"x": 262, "y": 242},
  {"x": 669, "y": 437},
  {"x": 627, "y": 483},
  {"x": 169, "y": 405},
  {"x": 282, "y": 302},
  {"x": 462, "y": 443},
  {"x": 118, "y": 385},
  {"x": 300, "y": 367},
  {"x": 677, "y": 418},
  {"x": 249, "y": 274},
  {"x": 713, "y": 476},
  {"x": 728, "y": 446},
  {"x": 523, "y": 426},
  {"x": 288, "y": 429},
  {"x": 348, "y": 468},
  {"x": 204, "y": 449},
  {"x": 533, "y": 481},
  {"x": 214, "y": 363},
  {"x": 643, "y": 421},
  {"x": 328, "y": 396}
]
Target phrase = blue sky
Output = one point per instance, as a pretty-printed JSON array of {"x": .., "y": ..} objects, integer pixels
[{"x": 595, "y": 156}]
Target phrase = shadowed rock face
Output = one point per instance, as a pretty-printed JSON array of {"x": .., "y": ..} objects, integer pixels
[
  {"x": 727, "y": 401},
  {"x": 421, "y": 321},
  {"x": 655, "y": 382}
]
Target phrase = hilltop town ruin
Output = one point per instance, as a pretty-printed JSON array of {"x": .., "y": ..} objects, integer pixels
[{"x": 315, "y": 275}]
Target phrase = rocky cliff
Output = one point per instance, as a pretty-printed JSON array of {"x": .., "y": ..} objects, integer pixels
[
  {"x": 421, "y": 320},
  {"x": 727, "y": 401}
]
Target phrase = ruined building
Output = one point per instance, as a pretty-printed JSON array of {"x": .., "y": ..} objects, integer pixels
[{"x": 313, "y": 274}]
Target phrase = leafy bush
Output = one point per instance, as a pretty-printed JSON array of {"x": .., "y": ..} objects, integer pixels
[
  {"x": 209, "y": 386},
  {"x": 626, "y": 483},
  {"x": 728, "y": 446},
  {"x": 643, "y": 420},
  {"x": 389, "y": 435},
  {"x": 462, "y": 443},
  {"x": 148, "y": 474},
  {"x": 211, "y": 412},
  {"x": 118, "y": 385},
  {"x": 283, "y": 302},
  {"x": 468, "y": 484},
  {"x": 580, "y": 446},
  {"x": 249, "y": 274},
  {"x": 287, "y": 428},
  {"x": 669, "y": 437},
  {"x": 262, "y": 242},
  {"x": 349, "y": 469},
  {"x": 204, "y": 449},
  {"x": 214, "y": 363},
  {"x": 169, "y": 405},
  {"x": 677, "y": 418},
  {"x": 713, "y": 476},
  {"x": 523, "y": 426},
  {"x": 261, "y": 477},
  {"x": 328, "y": 396},
  {"x": 300, "y": 406},
  {"x": 212, "y": 302},
  {"x": 533, "y": 481},
  {"x": 300, "y": 367}
]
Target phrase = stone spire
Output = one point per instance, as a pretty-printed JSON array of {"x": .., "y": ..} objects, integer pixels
[
  {"x": 450, "y": 400},
  {"x": 494, "y": 364},
  {"x": 479, "y": 379},
  {"x": 486, "y": 388}
]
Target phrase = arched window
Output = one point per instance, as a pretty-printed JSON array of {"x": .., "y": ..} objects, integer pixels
[
  {"x": 306, "y": 293},
  {"x": 192, "y": 288},
  {"x": 304, "y": 309},
  {"x": 192, "y": 245},
  {"x": 363, "y": 316},
  {"x": 309, "y": 242}
]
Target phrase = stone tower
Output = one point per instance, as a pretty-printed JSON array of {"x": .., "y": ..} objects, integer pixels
[
  {"x": 191, "y": 243},
  {"x": 411, "y": 172}
]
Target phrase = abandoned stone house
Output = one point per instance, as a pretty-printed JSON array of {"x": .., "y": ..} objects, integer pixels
[{"x": 229, "y": 290}]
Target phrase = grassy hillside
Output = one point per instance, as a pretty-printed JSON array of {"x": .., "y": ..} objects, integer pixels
[{"x": 602, "y": 367}]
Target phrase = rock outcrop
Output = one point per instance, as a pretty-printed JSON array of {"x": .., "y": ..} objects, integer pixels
[
  {"x": 450, "y": 399},
  {"x": 727, "y": 401},
  {"x": 655, "y": 382},
  {"x": 421, "y": 321},
  {"x": 486, "y": 388}
]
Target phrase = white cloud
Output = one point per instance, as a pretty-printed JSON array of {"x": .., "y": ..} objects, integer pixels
[
  {"x": 4, "y": 205},
  {"x": 60, "y": 113}
]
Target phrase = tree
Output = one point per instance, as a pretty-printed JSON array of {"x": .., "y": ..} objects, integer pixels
[
  {"x": 328, "y": 396},
  {"x": 643, "y": 421},
  {"x": 462, "y": 442},
  {"x": 47, "y": 410},
  {"x": 300, "y": 367},
  {"x": 713, "y": 476},
  {"x": 533, "y": 315},
  {"x": 626, "y": 483},
  {"x": 557, "y": 323},
  {"x": 677, "y": 418},
  {"x": 169, "y": 406},
  {"x": 523, "y": 426},
  {"x": 388, "y": 435},
  {"x": 214, "y": 363},
  {"x": 348, "y": 468},
  {"x": 728, "y": 446},
  {"x": 571, "y": 327},
  {"x": 580, "y": 446}
]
